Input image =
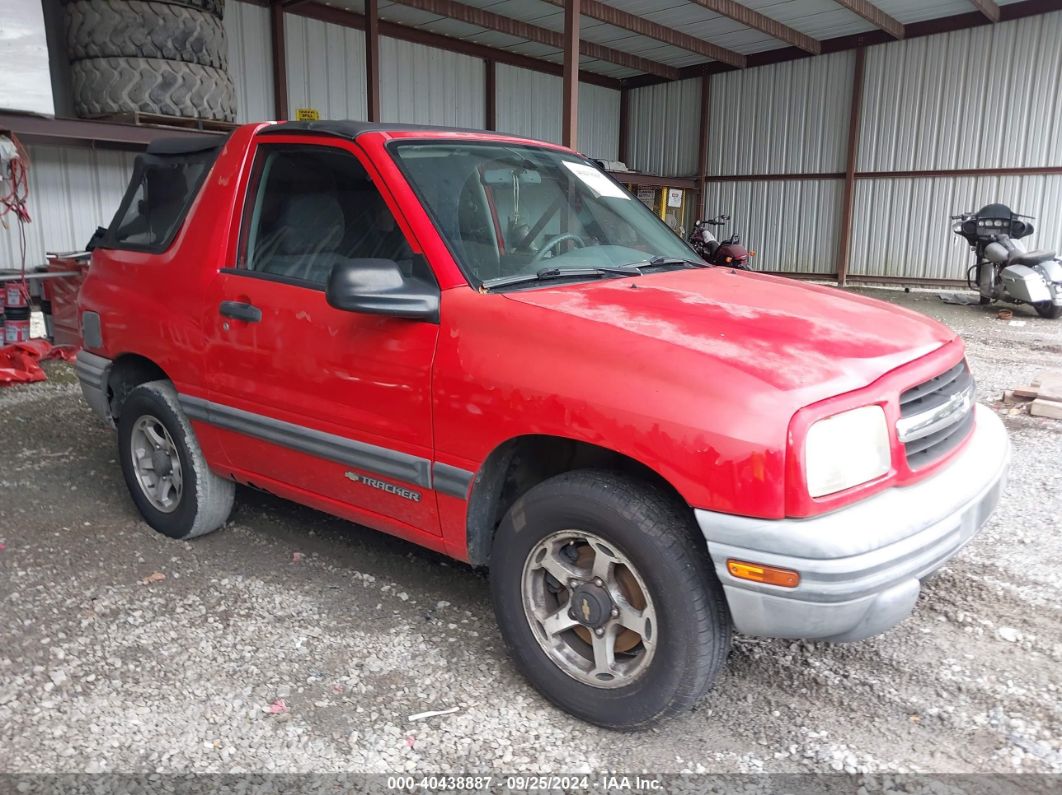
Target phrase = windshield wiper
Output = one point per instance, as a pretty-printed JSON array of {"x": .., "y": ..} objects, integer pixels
[
  {"x": 658, "y": 262},
  {"x": 547, "y": 274}
]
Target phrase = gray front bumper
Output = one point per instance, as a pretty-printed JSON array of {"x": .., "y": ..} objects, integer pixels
[
  {"x": 93, "y": 371},
  {"x": 860, "y": 566}
]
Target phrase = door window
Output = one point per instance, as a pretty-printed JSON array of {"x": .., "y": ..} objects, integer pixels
[{"x": 311, "y": 207}]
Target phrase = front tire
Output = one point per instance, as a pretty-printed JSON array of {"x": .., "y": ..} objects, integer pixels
[
  {"x": 167, "y": 475},
  {"x": 607, "y": 600}
]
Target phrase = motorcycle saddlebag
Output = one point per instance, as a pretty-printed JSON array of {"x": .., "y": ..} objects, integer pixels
[{"x": 1025, "y": 284}]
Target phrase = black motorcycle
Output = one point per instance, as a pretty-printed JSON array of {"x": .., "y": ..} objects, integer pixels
[{"x": 1004, "y": 269}]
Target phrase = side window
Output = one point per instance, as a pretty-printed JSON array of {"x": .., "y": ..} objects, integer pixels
[
  {"x": 309, "y": 207},
  {"x": 158, "y": 197}
]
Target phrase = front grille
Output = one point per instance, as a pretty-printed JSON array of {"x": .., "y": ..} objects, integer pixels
[{"x": 936, "y": 415}]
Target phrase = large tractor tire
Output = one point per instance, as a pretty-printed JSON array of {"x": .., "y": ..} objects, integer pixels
[
  {"x": 215, "y": 7},
  {"x": 134, "y": 29},
  {"x": 104, "y": 86}
]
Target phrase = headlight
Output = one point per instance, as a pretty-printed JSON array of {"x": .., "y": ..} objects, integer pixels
[{"x": 846, "y": 449}]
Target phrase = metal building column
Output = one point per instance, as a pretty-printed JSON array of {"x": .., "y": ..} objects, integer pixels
[
  {"x": 848, "y": 204},
  {"x": 280, "y": 62},
  {"x": 490, "y": 96},
  {"x": 372, "y": 59},
  {"x": 624, "y": 125},
  {"x": 702, "y": 150},
  {"x": 570, "y": 124}
]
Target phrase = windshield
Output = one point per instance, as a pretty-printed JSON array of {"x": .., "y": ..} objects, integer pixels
[{"x": 509, "y": 211}]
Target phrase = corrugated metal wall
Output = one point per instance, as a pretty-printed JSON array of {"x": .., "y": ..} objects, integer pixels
[
  {"x": 326, "y": 68},
  {"x": 792, "y": 225},
  {"x": 250, "y": 59},
  {"x": 790, "y": 118},
  {"x": 425, "y": 85},
  {"x": 529, "y": 103},
  {"x": 663, "y": 133},
  {"x": 900, "y": 227},
  {"x": 72, "y": 191},
  {"x": 599, "y": 111},
  {"x": 988, "y": 97}
]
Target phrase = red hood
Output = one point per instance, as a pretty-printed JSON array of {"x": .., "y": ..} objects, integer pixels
[{"x": 797, "y": 337}]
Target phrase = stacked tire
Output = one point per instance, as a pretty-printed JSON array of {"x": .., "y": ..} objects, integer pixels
[{"x": 165, "y": 57}]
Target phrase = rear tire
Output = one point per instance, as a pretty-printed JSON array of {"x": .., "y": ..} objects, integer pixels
[
  {"x": 196, "y": 501},
  {"x": 661, "y": 670},
  {"x": 1048, "y": 309}
]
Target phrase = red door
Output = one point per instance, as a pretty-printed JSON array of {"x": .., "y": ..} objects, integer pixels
[{"x": 328, "y": 407}]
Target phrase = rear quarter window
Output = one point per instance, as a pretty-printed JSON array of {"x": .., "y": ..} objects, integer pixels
[{"x": 160, "y": 192}]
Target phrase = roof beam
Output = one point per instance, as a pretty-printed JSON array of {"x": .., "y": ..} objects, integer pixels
[
  {"x": 875, "y": 16},
  {"x": 988, "y": 8},
  {"x": 351, "y": 19},
  {"x": 757, "y": 21},
  {"x": 644, "y": 27},
  {"x": 525, "y": 30},
  {"x": 913, "y": 30}
]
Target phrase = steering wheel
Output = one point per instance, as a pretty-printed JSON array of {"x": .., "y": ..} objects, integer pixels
[{"x": 553, "y": 241}]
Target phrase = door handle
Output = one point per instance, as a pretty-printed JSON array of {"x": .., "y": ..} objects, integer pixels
[{"x": 241, "y": 310}]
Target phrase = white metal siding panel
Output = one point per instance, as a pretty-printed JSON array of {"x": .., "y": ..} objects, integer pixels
[
  {"x": 987, "y": 97},
  {"x": 599, "y": 110},
  {"x": 664, "y": 128},
  {"x": 326, "y": 68},
  {"x": 425, "y": 85},
  {"x": 789, "y": 118},
  {"x": 901, "y": 227},
  {"x": 72, "y": 191},
  {"x": 792, "y": 225},
  {"x": 529, "y": 103},
  {"x": 250, "y": 60}
]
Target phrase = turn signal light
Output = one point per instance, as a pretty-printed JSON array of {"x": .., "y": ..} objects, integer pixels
[
  {"x": 729, "y": 259},
  {"x": 766, "y": 574},
  {"x": 752, "y": 253}
]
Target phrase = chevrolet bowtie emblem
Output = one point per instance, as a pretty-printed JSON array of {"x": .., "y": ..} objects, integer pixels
[{"x": 585, "y": 607}]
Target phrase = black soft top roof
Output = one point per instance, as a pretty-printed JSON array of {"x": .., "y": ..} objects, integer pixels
[
  {"x": 352, "y": 129},
  {"x": 186, "y": 145}
]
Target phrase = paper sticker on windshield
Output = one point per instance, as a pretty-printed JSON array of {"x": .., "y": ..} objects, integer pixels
[{"x": 595, "y": 180}]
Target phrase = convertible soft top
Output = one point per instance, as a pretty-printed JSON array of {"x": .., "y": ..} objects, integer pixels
[
  {"x": 186, "y": 145},
  {"x": 352, "y": 129}
]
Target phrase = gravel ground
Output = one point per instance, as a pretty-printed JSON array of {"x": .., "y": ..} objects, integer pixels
[{"x": 292, "y": 641}]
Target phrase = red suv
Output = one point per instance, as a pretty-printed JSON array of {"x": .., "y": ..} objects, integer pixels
[{"x": 485, "y": 345}]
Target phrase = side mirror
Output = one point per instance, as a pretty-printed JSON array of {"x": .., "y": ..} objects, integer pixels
[
  {"x": 96, "y": 239},
  {"x": 380, "y": 287}
]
